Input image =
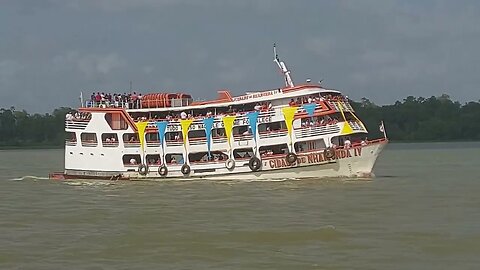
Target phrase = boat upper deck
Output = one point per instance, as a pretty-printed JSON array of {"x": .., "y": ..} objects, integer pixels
[{"x": 179, "y": 101}]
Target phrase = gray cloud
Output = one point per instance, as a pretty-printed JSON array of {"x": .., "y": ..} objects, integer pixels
[{"x": 51, "y": 50}]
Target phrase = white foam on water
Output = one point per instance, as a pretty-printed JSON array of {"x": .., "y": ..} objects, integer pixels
[{"x": 29, "y": 177}]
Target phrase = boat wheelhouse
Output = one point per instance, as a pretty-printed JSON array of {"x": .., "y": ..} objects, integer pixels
[{"x": 304, "y": 131}]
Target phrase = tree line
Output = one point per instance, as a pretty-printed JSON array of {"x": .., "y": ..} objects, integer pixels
[
  {"x": 423, "y": 119},
  {"x": 412, "y": 119}
]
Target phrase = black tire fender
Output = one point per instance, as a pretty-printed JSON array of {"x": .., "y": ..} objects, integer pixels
[
  {"x": 291, "y": 158},
  {"x": 329, "y": 153},
  {"x": 185, "y": 169},
  {"x": 163, "y": 170},
  {"x": 254, "y": 164},
  {"x": 230, "y": 164},
  {"x": 142, "y": 169}
]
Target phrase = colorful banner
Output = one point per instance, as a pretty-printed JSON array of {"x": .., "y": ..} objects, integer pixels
[
  {"x": 228, "y": 125},
  {"x": 208, "y": 124},
  {"x": 252, "y": 119},
  {"x": 289, "y": 114},
  {"x": 141, "y": 126},
  {"x": 347, "y": 129},
  {"x": 310, "y": 108},
  {"x": 162, "y": 127},
  {"x": 185, "y": 123}
]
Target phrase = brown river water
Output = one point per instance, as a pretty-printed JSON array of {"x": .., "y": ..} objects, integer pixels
[{"x": 421, "y": 211}]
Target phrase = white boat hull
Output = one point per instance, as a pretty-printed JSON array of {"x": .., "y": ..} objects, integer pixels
[{"x": 354, "y": 162}]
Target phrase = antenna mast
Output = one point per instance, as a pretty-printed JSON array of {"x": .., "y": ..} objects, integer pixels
[{"x": 283, "y": 68}]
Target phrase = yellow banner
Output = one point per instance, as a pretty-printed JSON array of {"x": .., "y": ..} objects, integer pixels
[
  {"x": 185, "y": 123},
  {"x": 289, "y": 114},
  {"x": 347, "y": 129},
  {"x": 141, "y": 126},
  {"x": 228, "y": 125}
]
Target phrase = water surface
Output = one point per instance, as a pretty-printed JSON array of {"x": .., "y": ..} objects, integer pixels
[{"x": 420, "y": 212}]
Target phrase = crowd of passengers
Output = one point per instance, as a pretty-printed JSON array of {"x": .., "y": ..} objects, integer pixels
[
  {"x": 130, "y": 101},
  {"x": 239, "y": 110},
  {"x": 231, "y": 110},
  {"x": 78, "y": 116},
  {"x": 319, "y": 121},
  {"x": 316, "y": 99}
]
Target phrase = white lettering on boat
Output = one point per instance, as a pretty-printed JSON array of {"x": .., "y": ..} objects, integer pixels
[{"x": 257, "y": 95}]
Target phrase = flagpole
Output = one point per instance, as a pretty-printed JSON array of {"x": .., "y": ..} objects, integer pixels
[
  {"x": 81, "y": 99},
  {"x": 383, "y": 129}
]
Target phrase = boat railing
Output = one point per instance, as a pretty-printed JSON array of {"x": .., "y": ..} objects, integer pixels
[
  {"x": 242, "y": 137},
  {"x": 310, "y": 131},
  {"x": 355, "y": 125},
  {"x": 197, "y": 141},
  {"x": 110, "y": 144},
  {"x": 76, "y": 124},
  {"x": 178, "y": 142},
  {"x": 70, "y": 142},
  {"x": 219, "y": 139},
  {"x": 154, "y": 143},
  {"x": 134, "y": 144},
  {"x": 113, "y": 104},
  {"x": 345, "y": 106},
  {"x": 89, "y": 143},
  {"x": 273, "y": 133},
  {"x": 206, "y": 162}
]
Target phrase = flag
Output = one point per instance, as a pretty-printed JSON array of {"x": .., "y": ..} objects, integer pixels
[{"x": 208, "y": 124}]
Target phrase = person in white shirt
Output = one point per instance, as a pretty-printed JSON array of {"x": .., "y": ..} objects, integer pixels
[
  {"x": 133, "y": 161},
  {"x": 347, "y": 143},
  {"x": 183, "y": 115}
]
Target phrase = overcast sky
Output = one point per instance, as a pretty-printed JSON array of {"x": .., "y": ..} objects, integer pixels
[{"x": 51, "y": 50}]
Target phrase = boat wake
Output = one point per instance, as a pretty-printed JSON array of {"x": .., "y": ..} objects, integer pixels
[{"x": 28, "y": 178}]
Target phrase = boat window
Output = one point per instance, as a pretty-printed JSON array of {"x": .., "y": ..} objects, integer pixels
[
  {"x": 271, "y": 127},
  {"x": 272, "y": 150},
  {"x": 131, "y": 160},
  {"x": 197, "y": 134},
  {"x": 243, "y": 153},
  {"x": 175, "y": 158},
  {"x": 109, "y": 139},
  {"x": 309, "y": 146},
  {"x": 153, "y": 159},
  {"x": 70, "y": 138},
  {"x": 152, "y": 137},
  {"x": 173, "y": 136},
  {"x": 116, "y": 121},
  {"x": 130, "y": 138},
  {"x": 355, "y": 140},
  {"x": 215, "y": 156},
  {"x": 218, "y": 132},
  {"x": 88, "y": 139},
  {"x": 241, "y": 130}
]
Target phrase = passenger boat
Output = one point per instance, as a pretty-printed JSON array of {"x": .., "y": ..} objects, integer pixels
[{"x": 296, "y": 131}]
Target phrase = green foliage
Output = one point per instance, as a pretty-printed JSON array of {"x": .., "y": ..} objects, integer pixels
[
  {"x": 422, "y": 119},
  {"x": 20, "y": 129}
]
